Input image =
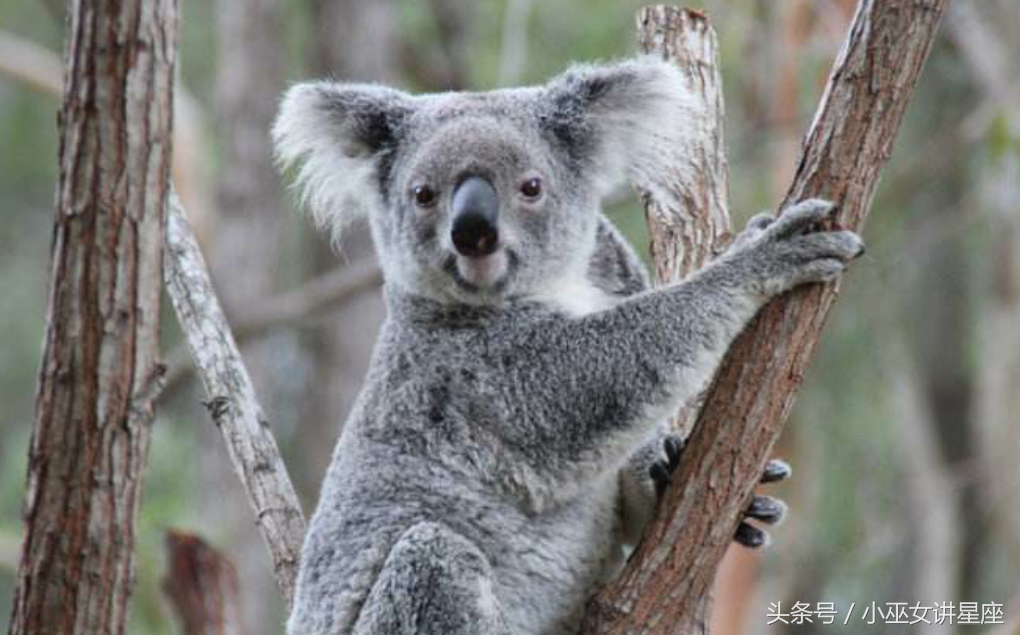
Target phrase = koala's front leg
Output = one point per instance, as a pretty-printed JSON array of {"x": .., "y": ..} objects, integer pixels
[{"x": 594, "y": 387}]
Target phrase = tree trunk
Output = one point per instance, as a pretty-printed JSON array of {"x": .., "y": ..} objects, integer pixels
[
  {"x": 201, "y": 584},
  {"x": 100, "y": 371},
  {"x": 693, "y": 225},
  {"x": 662, "y": 590}
]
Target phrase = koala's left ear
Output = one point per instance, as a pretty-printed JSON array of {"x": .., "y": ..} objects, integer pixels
[
  {"x": 620, "y": 121},
  {"x": 338, "y": 135}
]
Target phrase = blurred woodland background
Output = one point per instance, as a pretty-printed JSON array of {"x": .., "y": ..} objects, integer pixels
[{"x": 904, "y": 440}]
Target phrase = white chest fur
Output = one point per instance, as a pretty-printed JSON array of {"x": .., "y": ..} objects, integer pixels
[{"x": 575, "y": 296}]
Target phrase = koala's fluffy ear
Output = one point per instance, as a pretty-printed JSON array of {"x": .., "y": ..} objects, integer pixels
[
  {"x": 620, "y": 121},
  {"x": 338, "y": 136}
]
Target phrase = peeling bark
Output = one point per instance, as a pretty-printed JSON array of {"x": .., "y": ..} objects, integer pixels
[{"x": 100, "y": 371}]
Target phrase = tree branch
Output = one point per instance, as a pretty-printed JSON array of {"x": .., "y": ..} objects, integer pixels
[
  {"x": 308, "y": 300},
  {"x": 664, "y": 585},
  {"x": 232, "y": 401},
  {"x": 311, "y": 299},
  {"x": 693, "y": 226}
]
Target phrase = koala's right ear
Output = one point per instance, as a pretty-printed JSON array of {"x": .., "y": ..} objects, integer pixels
[
  {"x": 621, "y": 121},
  {"x": 337, "y": 135}
]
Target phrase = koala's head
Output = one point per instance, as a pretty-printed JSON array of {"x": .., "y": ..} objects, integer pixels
[{"x": 474, "y": 197}]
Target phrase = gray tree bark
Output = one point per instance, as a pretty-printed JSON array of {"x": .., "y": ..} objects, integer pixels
[
  {"x": 100, "y": 371},
  {"x": 232, "y": 402}
]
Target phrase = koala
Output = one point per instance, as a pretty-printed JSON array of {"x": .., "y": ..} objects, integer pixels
[{"x": 508, "y": 443}]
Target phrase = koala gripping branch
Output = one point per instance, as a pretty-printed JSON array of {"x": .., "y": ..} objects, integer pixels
[{"x": 664, "y": 586}]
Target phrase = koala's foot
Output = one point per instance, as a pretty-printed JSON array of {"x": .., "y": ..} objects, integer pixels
[{"x": 764, "y": 509}]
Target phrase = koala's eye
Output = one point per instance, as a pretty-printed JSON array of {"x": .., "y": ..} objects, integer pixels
[
  {"x": 532, "y": 188},
  {"x": 424, "y": 196}
]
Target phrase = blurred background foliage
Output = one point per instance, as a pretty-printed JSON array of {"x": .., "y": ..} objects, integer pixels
[{"x": 904, "y": 439}]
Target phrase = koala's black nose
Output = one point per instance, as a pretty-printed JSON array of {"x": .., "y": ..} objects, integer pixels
[{"x": 475, "y": 216}]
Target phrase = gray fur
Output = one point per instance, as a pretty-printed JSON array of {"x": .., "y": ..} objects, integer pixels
[{"x": 491, "y": 470}]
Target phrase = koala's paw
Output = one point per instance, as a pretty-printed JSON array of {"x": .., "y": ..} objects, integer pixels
[
  {"x": 752, "y": 231},
  {"x": 765, "y": 509},
  {"x": 661, "y": 471},
  {"x": 791, "y": 250}
]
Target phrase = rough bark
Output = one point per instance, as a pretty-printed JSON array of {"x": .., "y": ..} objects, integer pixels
[
  {"x": 232, "y": 403},
  {"x": 100, "y": 371},
  {"x": 201, "y": 584},
  {"x": 40, "y": 69},
  {"x": 693, "y": 226},
  {"x": 850, "y": 139}
]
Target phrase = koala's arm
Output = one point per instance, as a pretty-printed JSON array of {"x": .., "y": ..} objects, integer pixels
[
  {"x": 616, "y": 270},
  {"x": 597, "y": 385}
]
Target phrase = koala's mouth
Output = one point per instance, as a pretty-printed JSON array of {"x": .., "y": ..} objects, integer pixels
[{"x": 490, "y": 273}]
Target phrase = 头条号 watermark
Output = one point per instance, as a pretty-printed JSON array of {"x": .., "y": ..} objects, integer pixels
[{"x": 888, "y": 613}]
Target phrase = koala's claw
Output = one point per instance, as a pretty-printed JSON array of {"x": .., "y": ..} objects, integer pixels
[
  {"x": 673, "y": 446},
  {"x": 767, "y": 509},
  {"x": 760, "y": 221},
  {"x": 750, "y": 536},
  {"x": 662, "y": 470},
  {"x": 752, "y": 231},
  {"x": 764, "y": 509},
  {"x": 776, "y": 470}
]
